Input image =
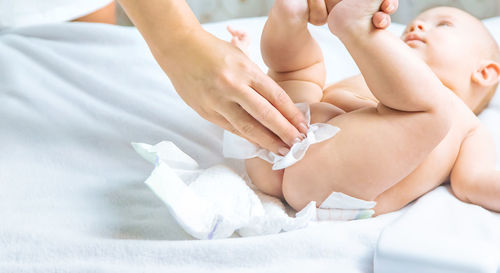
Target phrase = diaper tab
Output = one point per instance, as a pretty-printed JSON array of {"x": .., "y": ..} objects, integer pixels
[
  {"x": 342, "y": 207},
  {"x": 237, "y": 147}
]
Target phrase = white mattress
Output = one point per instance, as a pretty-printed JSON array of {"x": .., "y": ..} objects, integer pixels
[{"x": 73, "y": 96}]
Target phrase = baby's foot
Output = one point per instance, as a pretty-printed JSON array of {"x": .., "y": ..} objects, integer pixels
[
  {"x": 240, "y": 39},
  {"x": 360, "y": 13}
]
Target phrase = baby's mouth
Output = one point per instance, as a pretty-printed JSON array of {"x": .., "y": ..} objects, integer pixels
[{"x": 414, "y": 40}]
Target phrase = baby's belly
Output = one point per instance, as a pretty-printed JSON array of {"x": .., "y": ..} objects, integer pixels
[{"x": 322, "y": 170}]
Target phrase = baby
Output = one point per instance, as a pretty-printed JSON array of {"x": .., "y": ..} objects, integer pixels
[{"x": 407, "y": 124}]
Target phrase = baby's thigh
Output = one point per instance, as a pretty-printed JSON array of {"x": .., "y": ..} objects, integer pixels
[
  {"x": 260, "y": 171},
  {"x": 371, "y": 153},
  {"x": 322, "y": 112},
  {"x": 264, "y": 178}
]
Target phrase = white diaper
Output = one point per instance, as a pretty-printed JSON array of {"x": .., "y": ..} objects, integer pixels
[
  {"x": 238, "y": 147},
  {"x": 216, "y": 202}
]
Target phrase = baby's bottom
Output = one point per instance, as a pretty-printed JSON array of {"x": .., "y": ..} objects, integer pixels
[
  {"x": 105, "y": 15},
  {"x": 260, "y": 172},
  {"x": 375, "y": 149}
]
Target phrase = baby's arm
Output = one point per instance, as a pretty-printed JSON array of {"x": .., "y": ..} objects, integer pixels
[
  {"x": 397, "y": 77},
  {"x": 474, "y": 178}
]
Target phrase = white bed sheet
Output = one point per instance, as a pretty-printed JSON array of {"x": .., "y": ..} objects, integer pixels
[{"x": 73, "y": 96}]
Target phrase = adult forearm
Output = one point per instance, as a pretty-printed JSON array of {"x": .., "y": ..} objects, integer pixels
[{"x": 164, "y": 24}]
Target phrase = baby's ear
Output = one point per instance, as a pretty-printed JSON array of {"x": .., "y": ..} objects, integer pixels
[{"x": 488, "y": 73}]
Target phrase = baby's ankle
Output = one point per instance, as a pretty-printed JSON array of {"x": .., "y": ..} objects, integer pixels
[
  {"x": 353, "y": 17},
  {"x": 291, "y": 10}
]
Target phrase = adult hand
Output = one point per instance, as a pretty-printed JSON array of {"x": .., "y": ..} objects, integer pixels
[
  {"x": 216, "y": 78},
  {"x": 319, "y": 10},
  {"x": 225, "y": 87}
]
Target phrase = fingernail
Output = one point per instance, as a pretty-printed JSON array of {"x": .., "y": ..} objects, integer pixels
[
  {"x": 390, "y": 8},
  {"x": 303, "y": 127},
  {"x": 383, "y": 22},
  {"x": 302, "y": 136},
  {"x": 296, "y": 140},
  {"x": 283, "y": 151}
]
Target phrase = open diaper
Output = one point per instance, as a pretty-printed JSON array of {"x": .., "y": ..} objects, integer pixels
[
  {"x": 216, "y": 202},
  {"x": 237, "y": 147}
]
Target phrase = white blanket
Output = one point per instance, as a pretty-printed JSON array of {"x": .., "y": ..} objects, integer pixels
[{"x": 72, "y": 199}]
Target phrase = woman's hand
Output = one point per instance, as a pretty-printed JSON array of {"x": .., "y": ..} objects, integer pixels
[
  {"x": 319, "y": 10},
  {"x": 216, "y": 78},
  {"x": 225, "y": 87}
]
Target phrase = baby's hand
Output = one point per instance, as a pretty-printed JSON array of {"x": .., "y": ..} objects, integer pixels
[
  {"x": 359, "y": 15},
  {"x": 239, "y": 39}
]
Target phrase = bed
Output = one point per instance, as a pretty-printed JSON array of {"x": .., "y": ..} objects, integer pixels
[{"x": 72, "y": 198}]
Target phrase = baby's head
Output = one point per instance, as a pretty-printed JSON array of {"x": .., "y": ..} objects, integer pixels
[{"x": 460, "y": 50}]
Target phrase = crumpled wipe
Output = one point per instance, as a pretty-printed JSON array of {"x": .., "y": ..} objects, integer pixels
[
  {"x": 237, "y": 147},
  {"x": 215, "y": 202}
]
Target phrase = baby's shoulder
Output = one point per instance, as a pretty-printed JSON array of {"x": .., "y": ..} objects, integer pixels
[{"x": 463, "y": 117}]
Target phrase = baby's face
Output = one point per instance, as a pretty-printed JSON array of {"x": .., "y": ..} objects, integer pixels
[{"x": 449, "y": 41}]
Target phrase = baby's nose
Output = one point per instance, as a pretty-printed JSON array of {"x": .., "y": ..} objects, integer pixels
[{"x": 416, "y": 26}]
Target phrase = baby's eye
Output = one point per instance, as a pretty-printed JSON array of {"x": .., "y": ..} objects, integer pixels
[{"x": 445, "y": 24}]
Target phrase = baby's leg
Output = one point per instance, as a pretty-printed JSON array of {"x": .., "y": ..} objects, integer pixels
[
  {"x": 294, "y": 58},
  {"x": 295, "y": 61},
  {"x": 270, "y": 181},
  {"x": 376, "y": 147}
]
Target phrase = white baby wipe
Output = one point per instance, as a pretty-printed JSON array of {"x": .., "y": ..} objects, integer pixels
[{"x": 237, "y": 147}]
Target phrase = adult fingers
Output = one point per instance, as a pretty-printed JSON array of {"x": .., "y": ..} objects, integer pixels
[
  {"x": 221, "y": 121},
  {"x": 389, "y": 6},
  {"x": 381, "y": 20},
  {"x": 275, "y": 109},
  {"x": 317, "y": 12},
  {"x": 252, "y": 130}
]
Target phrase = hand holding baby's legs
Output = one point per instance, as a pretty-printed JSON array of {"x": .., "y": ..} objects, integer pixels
[
  {"x": 319, "y": 10},
  {"x": 360, "y": 13}
]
